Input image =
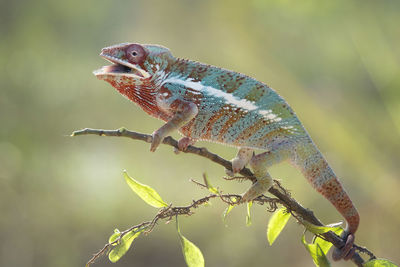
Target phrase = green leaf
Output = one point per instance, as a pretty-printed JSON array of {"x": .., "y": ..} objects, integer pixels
[
  {"x": 123, "y": 245},
  {"x": 379, "y": 263},
  {"x": 226, "y": 212},
  {"x": 325, "y": 245},
  {"x": 321, "y": 229},
  {"x": 114, "y": 236},
  {"x": 248, "y": 216},
  {"x": 316, "y": 253},
  {"x": 211, "y": 188},
  {"x": 191, "y": 253},
  {"x": 145, "y": 192},
  {"x": 276, "y": 224}
]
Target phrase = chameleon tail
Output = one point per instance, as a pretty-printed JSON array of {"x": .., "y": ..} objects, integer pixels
[{"x": 317, "y": 171}]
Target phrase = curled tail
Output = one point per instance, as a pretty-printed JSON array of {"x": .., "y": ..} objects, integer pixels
[{"x": 317, "y": 171}]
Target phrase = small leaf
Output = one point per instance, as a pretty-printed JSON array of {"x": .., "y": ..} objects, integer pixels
[
  {"x": 316, "y": 253},
  {"x": 191, "y": 253},
  {"x": 325, "y": 245},
  {"x": 114, "y": 236},
  {"x": 321, "y": 229},
  {"x": 248, "y": 216},
  {"x": 226, "y": 212},
  {"x": 124, "y": 244},
  {"x": 276, "y": 224},
  {"x": 211, "y": 188},
  {"x": 379, "y": 263},
  {"x": 145, "y": 192}
]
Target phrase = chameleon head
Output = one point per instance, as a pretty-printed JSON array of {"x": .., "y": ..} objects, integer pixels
[{"x": 133, "y": 66}]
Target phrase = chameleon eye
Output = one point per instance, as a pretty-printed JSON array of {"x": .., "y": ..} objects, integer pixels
[{"x": 135, "y": 53}]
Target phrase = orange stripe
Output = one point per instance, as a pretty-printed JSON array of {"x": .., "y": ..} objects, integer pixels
[
  {"x": 223, "y": 111},
  {"x": 234, "y": 116}
]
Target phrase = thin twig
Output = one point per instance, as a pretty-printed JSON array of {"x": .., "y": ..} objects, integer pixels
[
  {"x": 168, "y": 213},
  {"x": 203, "y": 152},
  {"x": 109, "y": 245},
  {"x": 282, "y": 194}
]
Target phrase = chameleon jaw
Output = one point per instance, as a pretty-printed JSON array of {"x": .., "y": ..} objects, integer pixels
[{"x": 121, "y": 68}]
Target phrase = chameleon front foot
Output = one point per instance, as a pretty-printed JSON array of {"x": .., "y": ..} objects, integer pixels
[
  {"x": 156, "y": 140},
  {"x": 184, "y": 143},
  {"x": 258, "y": 188}
]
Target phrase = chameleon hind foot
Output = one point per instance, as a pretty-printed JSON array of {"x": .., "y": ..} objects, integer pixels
[
  {"x": 258, "y": 188},
  {"x": 243, "y": 157}
]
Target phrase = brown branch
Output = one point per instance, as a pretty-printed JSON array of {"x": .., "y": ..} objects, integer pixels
[
  {"x": 278, "y": 191},
  {"x": 203, "y": 152},
  {"x": 170, "y": 211}
]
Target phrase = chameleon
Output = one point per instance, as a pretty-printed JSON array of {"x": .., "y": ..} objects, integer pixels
[{"x": 209, "y": 103}]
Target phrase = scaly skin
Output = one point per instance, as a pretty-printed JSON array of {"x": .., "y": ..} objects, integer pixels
[{"x": 208, "y": 103}]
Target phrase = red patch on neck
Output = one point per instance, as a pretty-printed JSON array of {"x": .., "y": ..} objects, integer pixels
[{"x": 141, "y": 92}]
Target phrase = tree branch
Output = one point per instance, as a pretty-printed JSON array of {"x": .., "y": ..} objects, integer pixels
[
  {"x": 170, "y": 211},
  {"x": 278, "y": 191}
]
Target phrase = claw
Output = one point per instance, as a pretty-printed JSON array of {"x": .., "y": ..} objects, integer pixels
[
  {"x": 156, "y": 141},
  {"x": 237, "y": 165},
  {"x": 229, "y": 173},
  {"x": 184, "y": 142}
]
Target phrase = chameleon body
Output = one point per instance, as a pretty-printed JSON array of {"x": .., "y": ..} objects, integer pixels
[{"x": 213, "y": 104}]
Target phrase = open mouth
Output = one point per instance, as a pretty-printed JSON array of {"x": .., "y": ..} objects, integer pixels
[{"x": 121, "y": 67}]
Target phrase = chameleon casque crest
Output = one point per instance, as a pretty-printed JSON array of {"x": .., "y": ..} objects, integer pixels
[{"x": 208, "y": 103}]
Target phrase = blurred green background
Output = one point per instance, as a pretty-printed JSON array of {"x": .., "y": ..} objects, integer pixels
[{"x": 336, "y": 62}]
